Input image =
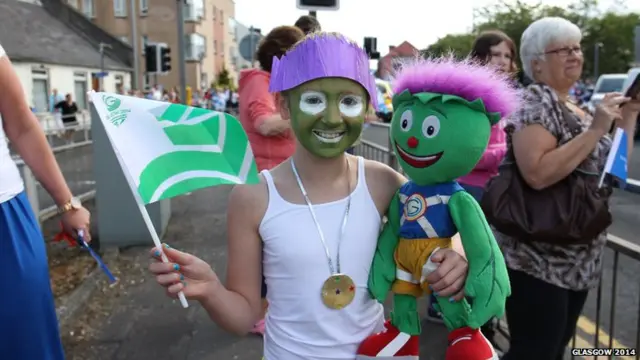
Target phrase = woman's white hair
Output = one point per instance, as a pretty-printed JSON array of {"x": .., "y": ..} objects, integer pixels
[{"x": 540, "y": 34}]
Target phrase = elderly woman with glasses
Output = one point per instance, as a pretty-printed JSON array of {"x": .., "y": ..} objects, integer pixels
[{"x": 550, "y": 281}]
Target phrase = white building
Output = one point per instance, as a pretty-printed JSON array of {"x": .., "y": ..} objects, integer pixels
[{"x": 48, "y": 55}]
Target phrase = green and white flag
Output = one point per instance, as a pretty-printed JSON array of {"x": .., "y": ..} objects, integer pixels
[{"x": 172, "y": 149}]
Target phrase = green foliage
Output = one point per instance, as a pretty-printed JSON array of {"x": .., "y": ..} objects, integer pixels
[
  {"x": 612, "y": 30},
  {"x": 224, "y": 79}
]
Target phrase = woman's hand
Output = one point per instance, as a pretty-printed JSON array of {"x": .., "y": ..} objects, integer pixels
[
  {"x": 449, "y": 278},
  {"x": 631, "y": 108},
  {"x": 184, "y": 272},
  {"x": 75, "y": 220},
  {"x": 607, "y": 111}
]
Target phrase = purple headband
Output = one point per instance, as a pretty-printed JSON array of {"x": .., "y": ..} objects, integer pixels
[{"x": 321, "y": 56}]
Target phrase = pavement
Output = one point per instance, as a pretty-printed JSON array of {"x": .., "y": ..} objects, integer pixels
[
  {"x": 138, "y": 322},
  {"x": 625, "y": 207}
]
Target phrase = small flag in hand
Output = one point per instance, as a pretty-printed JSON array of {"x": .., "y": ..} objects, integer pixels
[{"x": 616, "y": 165}]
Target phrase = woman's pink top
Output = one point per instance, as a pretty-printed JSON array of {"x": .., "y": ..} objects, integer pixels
[
  {"x": 487, "y": 167},
  {"x": 255, "y": 105}
]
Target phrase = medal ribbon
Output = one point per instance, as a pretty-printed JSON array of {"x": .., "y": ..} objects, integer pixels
[{"x": 332, "y": 269}]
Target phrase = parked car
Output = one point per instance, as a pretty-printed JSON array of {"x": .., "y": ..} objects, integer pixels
[
  {"x": 631, "y": 75},
  {"x": 606, "y": 83}
]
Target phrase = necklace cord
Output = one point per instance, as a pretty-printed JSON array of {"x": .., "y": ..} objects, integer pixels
[{"x": 343, "y": 228}]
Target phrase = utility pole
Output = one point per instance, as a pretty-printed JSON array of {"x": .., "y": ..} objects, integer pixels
[
  {"x": 596, "y": 61},
  {"x": 135, "y": 81},
  {"x": 181, "y": 55},
  {"x": 102, "y": 46},
  {"x": 251, "y": 45}
]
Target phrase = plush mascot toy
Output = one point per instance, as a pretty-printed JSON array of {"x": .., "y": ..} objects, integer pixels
[{"x": 443, "y": 113}]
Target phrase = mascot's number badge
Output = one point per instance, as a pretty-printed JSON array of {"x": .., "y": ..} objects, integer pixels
[{"x": 415, "y": 207}]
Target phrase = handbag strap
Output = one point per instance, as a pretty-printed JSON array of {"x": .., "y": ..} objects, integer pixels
[{"x": 570, "y": 118}]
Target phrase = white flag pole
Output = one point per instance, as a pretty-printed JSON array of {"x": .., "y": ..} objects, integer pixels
[{"x": 143, "y": 210}]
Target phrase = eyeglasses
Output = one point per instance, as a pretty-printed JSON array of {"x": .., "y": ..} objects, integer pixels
[{"x": 566, "y": 51}]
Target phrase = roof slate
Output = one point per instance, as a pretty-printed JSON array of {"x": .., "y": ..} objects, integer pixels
[{"x": 29, "y": 33}]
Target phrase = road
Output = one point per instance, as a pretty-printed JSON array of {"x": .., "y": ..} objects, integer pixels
[{"x": 626, "y": 214}]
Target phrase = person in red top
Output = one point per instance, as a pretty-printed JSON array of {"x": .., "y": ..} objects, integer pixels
[{"x": 270, "y": 136}]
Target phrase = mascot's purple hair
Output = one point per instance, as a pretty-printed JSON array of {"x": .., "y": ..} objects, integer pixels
[{"x": 463, "y": 78}]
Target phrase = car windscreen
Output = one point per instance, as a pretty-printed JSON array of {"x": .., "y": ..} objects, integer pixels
[{"x": 610, "y": 85}]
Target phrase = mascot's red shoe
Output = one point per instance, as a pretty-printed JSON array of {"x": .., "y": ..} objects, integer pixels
[
  {"x": 469, "y": 344},
  {"x": 389, "y": 344}
]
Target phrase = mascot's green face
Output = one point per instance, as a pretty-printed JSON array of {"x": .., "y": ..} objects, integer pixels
[{"x": 438, "y": 138}]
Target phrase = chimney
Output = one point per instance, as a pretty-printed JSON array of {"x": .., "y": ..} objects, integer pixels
[{"x": 391, "y": 48}]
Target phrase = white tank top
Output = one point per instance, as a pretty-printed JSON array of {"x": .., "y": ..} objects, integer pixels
[
  {"x": 298, "y": 325},
  {"x": 10, "y": 180}
]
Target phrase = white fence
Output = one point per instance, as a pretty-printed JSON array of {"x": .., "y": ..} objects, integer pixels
[{"x": 71, "y": 144}]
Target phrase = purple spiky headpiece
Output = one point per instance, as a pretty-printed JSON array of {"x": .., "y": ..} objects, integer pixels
[
  {"x": 322, "y": 55},
  {"x": 463, "y": 78}
]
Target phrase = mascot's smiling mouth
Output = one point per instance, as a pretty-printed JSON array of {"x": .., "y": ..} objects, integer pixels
[{"x": 418, "y": 161}]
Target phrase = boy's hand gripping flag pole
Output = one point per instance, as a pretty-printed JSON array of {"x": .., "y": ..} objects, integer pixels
[
  {"x": 616, "y": 164},
  {"x": 166, "y": 150}
]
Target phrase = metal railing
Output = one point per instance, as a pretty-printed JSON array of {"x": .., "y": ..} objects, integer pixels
[
  {"x": 71, "y": 145},
  {"x": 623, "y": 257}
]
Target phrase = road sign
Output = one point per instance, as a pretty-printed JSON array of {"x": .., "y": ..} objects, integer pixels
[
  {"x": 102, "y": 74},
  {"x": 248, "y": 46},
  {"x": 318, "y": 5}
]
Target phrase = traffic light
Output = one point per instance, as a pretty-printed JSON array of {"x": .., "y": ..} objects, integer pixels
[
  {"x": 313, "y": 5},
  {"x": 371, "y": 47},
  {"x": 165, "y": 59},
  {"x": 151, "y": 58}
]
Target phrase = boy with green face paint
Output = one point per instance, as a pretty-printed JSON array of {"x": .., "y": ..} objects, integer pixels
[{"x": 443, "y": 113}]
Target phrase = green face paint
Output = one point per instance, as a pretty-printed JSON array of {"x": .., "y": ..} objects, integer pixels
[
  {"x": 327, "y": 115},
  {"x": 438, "y": 138}
]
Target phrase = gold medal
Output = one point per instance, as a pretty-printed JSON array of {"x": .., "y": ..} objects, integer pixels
[{"x": 338, "y": 291}]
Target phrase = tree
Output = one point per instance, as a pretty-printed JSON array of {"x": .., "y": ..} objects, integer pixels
[
  {"x": 223, "y": 79},
  {"x": 612, "y": 29},
  {"x": 459, "y": 45}
]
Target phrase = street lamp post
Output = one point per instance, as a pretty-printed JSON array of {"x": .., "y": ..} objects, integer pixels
[
  {"x": 135, "y": 82},
  {"x": 596, "y": 60},
  {"x": 102, "y": 46},
  {"x": 181, "y": 49}
]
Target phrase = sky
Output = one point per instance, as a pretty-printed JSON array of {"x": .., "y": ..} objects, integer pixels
[{"x": 421, "y": 22}]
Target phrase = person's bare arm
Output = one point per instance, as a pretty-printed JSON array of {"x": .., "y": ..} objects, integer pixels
[
  {"x": 237, "y": 306},
  {"x": 540, "y": 160},
  {"x": 25, "y": 134},
  {"x": 383, "y": 182},
  {"x": 272, "y": 125}
]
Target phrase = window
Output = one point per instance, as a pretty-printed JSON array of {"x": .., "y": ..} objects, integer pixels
[
  {"x": 40, "y": 90},
  {"x": 195, "y": 47},
  {"x": 144, "y": 7},
  {"x": 221, "y": 17},
  {"x": 80, "y": 90},
  {"x": 194, "y": 10},
  {"x": 213, "y": 14},
  {"x": 222, "y": 47},
  {"x": 232, "y": 27},
  {"x": 215, "y": 47},
  {"x": 120, "y": 8},
  {"x": 73, "y": 3},
  {"x": 88, "y": 9}
]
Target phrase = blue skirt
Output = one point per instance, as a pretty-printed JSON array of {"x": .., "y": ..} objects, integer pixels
[{"x": 28, "y": 323}]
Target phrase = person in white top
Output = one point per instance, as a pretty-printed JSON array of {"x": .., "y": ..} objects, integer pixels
[
  {"x": 28, "y": 321},
  {"x": 313, "y": 221}
]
